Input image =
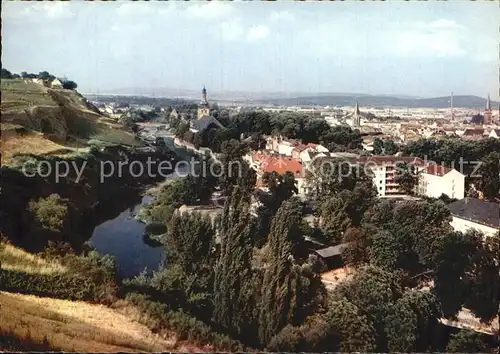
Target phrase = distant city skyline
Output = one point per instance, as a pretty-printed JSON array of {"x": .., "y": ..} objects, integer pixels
[{"x": 423, "y": 49}]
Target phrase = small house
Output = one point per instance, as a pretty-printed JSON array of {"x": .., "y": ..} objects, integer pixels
[
  {"x": 332, "y": 256},
  {"x": 56, "y": 83}
]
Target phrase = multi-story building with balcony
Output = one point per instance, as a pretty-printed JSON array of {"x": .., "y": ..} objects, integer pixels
[{"x": 383, "y": 170}]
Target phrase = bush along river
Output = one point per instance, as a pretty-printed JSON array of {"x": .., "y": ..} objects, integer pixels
[{"x": 124, "y": 238}]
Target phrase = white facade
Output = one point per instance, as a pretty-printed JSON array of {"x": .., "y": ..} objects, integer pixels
[
  {"x": 463, "y": 225},
  {"x": 56, "y": 83},
  {"x": 493, "y": 134},
  {"x": 285, "y": 148},
  {"x": 303, "y": 187},
  {"x": 321, "y": 148},
  {"x": 379, "y": 179},
  {"x": 452, "y": 184}
]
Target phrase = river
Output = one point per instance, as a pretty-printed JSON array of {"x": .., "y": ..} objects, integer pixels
[{"x": 123, "y": 238}]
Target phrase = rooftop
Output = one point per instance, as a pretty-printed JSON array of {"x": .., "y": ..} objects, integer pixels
[
  {"x": 331, "y": 251},
  {"x": 437, "y": 170},
  {"x": 476, "y": 210}
]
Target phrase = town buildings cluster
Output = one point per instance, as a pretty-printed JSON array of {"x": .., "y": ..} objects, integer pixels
[{"x": 281, "y": 155}]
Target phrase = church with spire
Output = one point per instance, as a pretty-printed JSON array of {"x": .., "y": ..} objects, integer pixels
[
  {"x": 203, "y": 108},
  {"x": 203, "y": 119},
  {"x": 355, "y": 117}
]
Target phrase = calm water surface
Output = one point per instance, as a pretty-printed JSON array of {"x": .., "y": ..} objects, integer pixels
[{"x": 122, "y": 237}]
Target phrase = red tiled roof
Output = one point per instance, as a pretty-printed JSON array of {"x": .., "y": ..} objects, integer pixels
[
  {"x": 282, "y": 165},
  {"x": 437, "y": 170},
  {"x": 300, "y": 147}
]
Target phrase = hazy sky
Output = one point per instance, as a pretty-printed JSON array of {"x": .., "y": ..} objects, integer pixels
[{"x": 407, "y": 48}]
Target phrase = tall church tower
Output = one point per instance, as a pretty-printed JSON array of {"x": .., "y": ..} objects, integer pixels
[
  {"x": 203, "y": 109},
  {"x": 356, "y": 118},
  {"x": 488, "y": 114}
]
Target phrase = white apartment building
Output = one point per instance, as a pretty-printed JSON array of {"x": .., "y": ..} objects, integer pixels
[
  {"x": 383, "y": 169},
  {"x": 471, "y": 213},
  {"x": 435, "y": 180}
]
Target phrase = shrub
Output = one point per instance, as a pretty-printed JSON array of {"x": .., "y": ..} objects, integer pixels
[
  {"x": 185, "y": 326},
  {"x": 90, "y": 277},
  {"x": 50, "y": 212},
  {"x": 156, "y": 228}
]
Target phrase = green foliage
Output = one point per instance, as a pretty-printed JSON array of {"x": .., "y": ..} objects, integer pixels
[
  {"x": 489, "y": 170},
  {"x": 409, "y": 232},
  {"x": 6, "y": 74},
  {"x": 359, "y": 241},
  {"x": 484, "y": 285},
  {"x": 281, "y": 187},
  {"x": 50, "y": 212},
  {"x": 385, "y": 147},
  {"x": 412, "y": 321},
  {"x": 373, "y": 291},
  {"x": 335, "y": 219},
  {"x": 329, "y": 176},
  {"x": 186, "y": 327},
  {"x": 406, "y": 177},
  {"x": 90, "y": 278},
  {"x": 349, "y": 328},
  {"x": 233, "y": 286},
  {"x": 189, "y": 241},
  {"x": 345, "y": 209},
  {"x": 453, "y": 261},
  {"x": 69, "y": 85},
  {"x": 287, "y": 287},
  {"x": 453, "y": 151},
  {"x": 155, "y": 228},
  {"x": 466, "y": 341}
]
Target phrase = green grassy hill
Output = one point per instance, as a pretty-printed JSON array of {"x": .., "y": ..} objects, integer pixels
[{"x": 32, "y": 113}]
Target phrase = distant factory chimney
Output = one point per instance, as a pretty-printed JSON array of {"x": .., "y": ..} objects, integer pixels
[
  {"x": 488, "y": 114},
  {"x": 451, "y": 107}
]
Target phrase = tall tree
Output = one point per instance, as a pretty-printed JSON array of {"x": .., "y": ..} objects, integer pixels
[
  {"x": 281, "y": 187},
  {"x": 466, "y": 341},
  {"x": 233, "y": 287},
  {"x": 489, "y": 171},
  {"x": 278, "y": 298},
  {"x": 452, "y": 262},
  {"x": 373, "y": 291},
  {"x": 350, "y": 327},
  {"x": 412, "y": 322},
  {"x": 334, "y": 218},
  {"x": 189, "y": 242},
  {"x": 484, "y": 294},
  {"x": 406, "y": 177}
]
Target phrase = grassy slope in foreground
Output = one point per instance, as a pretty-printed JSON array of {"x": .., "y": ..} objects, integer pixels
[
  {"x": 40, "y": 120},
  {"x": 26, "y": 320},
  {"x": 75, "y": 325}
]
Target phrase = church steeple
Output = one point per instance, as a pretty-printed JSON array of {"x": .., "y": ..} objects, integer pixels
[
  {"x": 488, "y": 103},
  {"x": 356, "y": 119},
  {"x": 203, "y": 109},
  {"x": 204, "y": 96}
]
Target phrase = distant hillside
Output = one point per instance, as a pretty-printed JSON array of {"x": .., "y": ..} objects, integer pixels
[
  {"x": 139, "y": 100},
  {"x": 37, "y": 119},
  {"x": 387, "y": 101}
]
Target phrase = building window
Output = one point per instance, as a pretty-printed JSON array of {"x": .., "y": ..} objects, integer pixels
[{"x": 380, "y": 188}]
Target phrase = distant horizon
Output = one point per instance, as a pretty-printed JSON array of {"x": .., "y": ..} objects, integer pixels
[{"x": 263, "y": 94}]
